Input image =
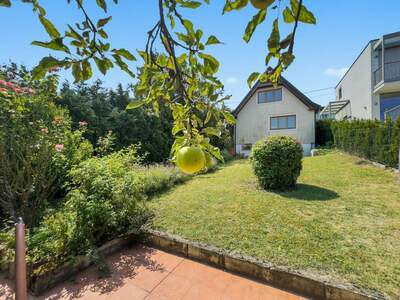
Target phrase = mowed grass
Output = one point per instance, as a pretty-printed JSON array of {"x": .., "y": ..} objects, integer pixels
[{"x": 342, "y": 222}]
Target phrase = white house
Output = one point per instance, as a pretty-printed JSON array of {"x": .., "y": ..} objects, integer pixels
[
  {"x": 371, "y": 87},
  {"x": 268, "y": 110}
]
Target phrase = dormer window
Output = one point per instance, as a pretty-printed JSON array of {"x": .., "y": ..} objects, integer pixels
[{"x": 270, "y": 96}]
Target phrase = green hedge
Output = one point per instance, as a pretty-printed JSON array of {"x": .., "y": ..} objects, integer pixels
[{"x": 374, "y": 140}]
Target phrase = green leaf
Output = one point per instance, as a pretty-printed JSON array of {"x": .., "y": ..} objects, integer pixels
[
  {"x": 44, "y": 65},
  {"x": 5, "y": 3},
  {"x": 103, "y": 64},
  {"x": 235, "y": 5},
  {"x": 253, "y": 77},
  {"x": 212, "y": 40},
  {"x": 123, "y": 66},
  {"x": 229, "y": 117},
  {"x": 124, "y": 53},
  {"x": 288, "y": 15},
  {"x": 76, "y": 71},
  {"x": 305, "y": 15},
  {"x": 102, "y": 4},
  {"x": 274, "y": 38},
  {"x": 136, "y": 104},
  {"x": 50, "y": 28},
  {"x": 211, "y": 64},
  {"x": 212, "y": 131},
  {"x": 86, "y": 70},
  {"x": 252, "y": 25},
  {"x": 190, "y": 4},
  {"x": 56, "y": 44},
  {"x": 102, "y": 22}
]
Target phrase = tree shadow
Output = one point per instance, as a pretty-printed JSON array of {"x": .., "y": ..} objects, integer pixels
[
  {"x": 310, "y": 192},
  {"x": 124, "y": 265}
]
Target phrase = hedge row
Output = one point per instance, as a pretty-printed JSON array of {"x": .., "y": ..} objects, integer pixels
[{"x": 373, "y": 140}]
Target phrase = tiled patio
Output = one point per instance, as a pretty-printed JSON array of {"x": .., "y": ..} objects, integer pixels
[{"x": 146, "y": 273}]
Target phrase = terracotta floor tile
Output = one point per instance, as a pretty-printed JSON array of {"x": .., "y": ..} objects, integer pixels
[
  {"x": 145, "y": 273},
  {"x": 201, "y": 291},
  {"x": 243, "y": 288},
  {"x": 173, "y": 287},
  {"x": 148, "y": 279}
]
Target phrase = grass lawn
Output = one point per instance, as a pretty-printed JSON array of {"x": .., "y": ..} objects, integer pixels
[{"x": 343, "y": 220}]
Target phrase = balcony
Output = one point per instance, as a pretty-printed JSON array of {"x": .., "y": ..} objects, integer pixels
[{"x": 387, "y": 79}]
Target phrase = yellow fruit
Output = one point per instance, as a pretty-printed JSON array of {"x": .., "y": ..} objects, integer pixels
[
  {"x": 190, "y": 159},
  {"x": 261, "y": 4},
  {"x": 210, "y": 160}
]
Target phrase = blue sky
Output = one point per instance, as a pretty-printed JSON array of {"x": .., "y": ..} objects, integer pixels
[{"x": 323, "y": 51}]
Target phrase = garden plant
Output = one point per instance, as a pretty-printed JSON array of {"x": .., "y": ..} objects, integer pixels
[{"x": 276, "y": 162}]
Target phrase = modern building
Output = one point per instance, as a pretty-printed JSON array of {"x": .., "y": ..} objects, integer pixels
[
  {"x": 371, "y": 87},
  {"x": 281, "y": 110}
]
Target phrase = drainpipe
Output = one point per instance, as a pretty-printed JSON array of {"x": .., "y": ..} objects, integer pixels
[{"x": 20, "y": 263}]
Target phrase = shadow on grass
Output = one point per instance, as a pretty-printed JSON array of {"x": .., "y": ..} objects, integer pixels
[{"x": 309, "y": 192}]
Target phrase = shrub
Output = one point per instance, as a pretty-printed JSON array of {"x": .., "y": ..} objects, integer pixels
[
  {"x": 159, "y": 178},
  {"x": 37, "y": 149},
  {"x": 106, "y": 200},
  {"x": 276, "y": 162},
  {"x": 374, "y": 140}
]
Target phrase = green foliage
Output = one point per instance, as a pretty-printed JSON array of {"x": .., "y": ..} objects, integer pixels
[
  {"x": 100, "y": 110},
  {"x": 37, "y": 149},
  {"x": 373, "y": 140},
  {"x": 158, "y": 178},
  {"x": 277, "y": 162},
  {"x": 323, "y": 131},
  {"x": 180, "y": 66}
]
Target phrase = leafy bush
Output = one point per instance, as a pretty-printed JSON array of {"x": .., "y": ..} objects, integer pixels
[
  {"x": 105, "y": 201},
  {"x": 374, "y": 140},
  {"x": 276, "y": 162},
  {"x": 37, "y": 149},
  {"x": 159, "y": 178}
]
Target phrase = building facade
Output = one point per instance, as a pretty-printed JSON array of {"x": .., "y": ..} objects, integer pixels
[
  {"x": 371, "y": 87},
  {"x": 275, "y": 110}
]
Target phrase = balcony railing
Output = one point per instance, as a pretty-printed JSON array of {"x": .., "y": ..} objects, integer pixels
[
  {"x": 377, "y": 76},
  {"x": 392, "y": 73}
]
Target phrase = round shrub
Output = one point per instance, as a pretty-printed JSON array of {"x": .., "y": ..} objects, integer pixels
[{"x": 276, "y": 162}]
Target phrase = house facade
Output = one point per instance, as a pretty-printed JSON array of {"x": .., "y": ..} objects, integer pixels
[
  {"x": 275, "y": 110},
  {"x": 371, "y": 87}
]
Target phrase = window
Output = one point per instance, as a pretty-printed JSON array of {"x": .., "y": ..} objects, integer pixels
[
  {"x": 246, "y": 147},
  {"x": 270, "y": 96},
  {"x": 283, "y": 122},
  {"x": 340, "y": 93}
]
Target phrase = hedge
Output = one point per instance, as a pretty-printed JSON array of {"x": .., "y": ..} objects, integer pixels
[{"x": 373, "y": 140}]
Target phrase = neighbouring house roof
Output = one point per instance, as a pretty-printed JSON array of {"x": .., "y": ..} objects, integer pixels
[
  {"x": 334, "y": 107},
  {"x": 281, "y": 82}
]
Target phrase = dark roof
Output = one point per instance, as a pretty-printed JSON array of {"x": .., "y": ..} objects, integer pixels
[{"x": 281, "y": 82}]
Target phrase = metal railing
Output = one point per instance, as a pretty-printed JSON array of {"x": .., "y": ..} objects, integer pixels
[
  {"x": 377, "y": 75},
  {"x": 392, "y": 71},
  {"x": 20, "y": 262}
]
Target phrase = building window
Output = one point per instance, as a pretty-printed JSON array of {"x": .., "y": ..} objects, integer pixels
[
  {"x": 246, "y": 147},
  {"x": 340, "y": 93},
  {"x": 283, "y": 122},
  {"x": 270, "y": 96}
]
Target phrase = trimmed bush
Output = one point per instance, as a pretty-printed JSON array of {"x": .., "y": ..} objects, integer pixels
[
  {"x": 276, "y": 162},
  {"x": 370, "y": 139}
]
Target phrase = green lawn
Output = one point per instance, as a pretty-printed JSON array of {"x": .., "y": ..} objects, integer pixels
[{"x": 343, "y": 220}]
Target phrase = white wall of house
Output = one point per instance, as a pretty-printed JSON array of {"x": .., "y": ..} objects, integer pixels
[
  {"x": 253, "y": 121},
  {"x": 356, "y": 86}
]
